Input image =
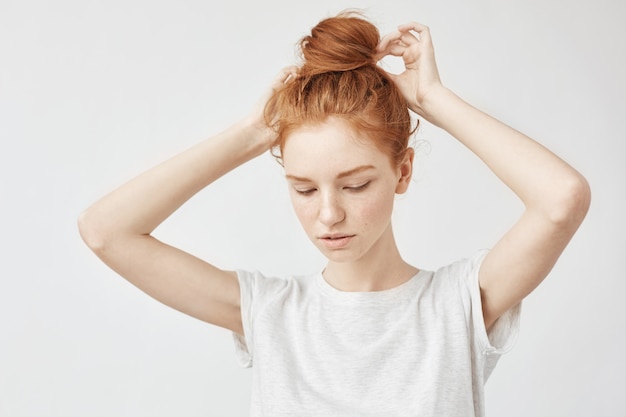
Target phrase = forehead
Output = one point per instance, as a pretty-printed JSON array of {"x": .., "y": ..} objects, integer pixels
[{"x": 330, "y": 147}]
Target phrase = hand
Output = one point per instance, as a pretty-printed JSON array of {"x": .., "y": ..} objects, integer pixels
[
  {"x": 412, "y": 42},
  {"x": 256, "y": 119}
]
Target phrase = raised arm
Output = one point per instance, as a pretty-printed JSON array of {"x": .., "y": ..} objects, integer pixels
[
  {"x": 118, "y": 227},
  {"x": 556, "y": 197}
]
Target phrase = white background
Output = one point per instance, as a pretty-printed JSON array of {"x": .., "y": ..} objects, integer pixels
[{"x": 94, "y": 91}]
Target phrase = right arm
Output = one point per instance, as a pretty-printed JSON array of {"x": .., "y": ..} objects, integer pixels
[{"x": 118, "y": 227}]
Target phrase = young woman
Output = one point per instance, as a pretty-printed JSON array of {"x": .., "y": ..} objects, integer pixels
[{"x": 370, "y": 335}]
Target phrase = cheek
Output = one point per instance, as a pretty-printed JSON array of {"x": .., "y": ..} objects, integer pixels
[
  {"x": 304, "y": 210},
  {"x": 377, "y": 209}
]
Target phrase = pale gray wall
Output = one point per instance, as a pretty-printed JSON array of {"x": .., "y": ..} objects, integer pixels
[{"x": 92, "y": 92}]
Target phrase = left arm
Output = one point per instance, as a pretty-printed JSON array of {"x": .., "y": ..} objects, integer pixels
[{"x": 555, "y": 196}]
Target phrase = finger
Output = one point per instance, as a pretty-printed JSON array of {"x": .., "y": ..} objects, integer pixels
[
  {"x": 284, "y": 76},
  {"x": 409, "y": 39},
  {"x": 288, "y": 73},
  {"x": 394, "y": 49},
  {"x": 397, "y": 49},
  {"x": 414, "y": 26},
  {"x": 423, "y": 32},
  {"x": 390, "y": 44},
  {"x": 387, "y": 40}
]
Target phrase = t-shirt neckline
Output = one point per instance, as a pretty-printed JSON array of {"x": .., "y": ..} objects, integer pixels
[{"x": 369, "y": 296}]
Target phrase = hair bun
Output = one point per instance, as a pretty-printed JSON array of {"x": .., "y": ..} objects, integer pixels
[{"x": 341, "y": 43}]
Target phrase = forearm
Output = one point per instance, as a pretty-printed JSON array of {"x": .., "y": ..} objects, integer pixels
[
  {"x": 140, "y": 205},
  {"x": 543, "y": 181}
]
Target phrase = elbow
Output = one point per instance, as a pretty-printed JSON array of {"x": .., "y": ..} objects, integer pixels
[
  {"x": 90, "y": 232},
  {"x": 572, "y": 202}
]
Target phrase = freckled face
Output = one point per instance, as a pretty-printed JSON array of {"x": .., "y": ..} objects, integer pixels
[{"x": 342, "y": 188}]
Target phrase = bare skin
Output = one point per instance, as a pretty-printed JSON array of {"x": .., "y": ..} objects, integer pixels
[
  {"x": 118, "y": 227},
  {"x": 343, "y": 189}
]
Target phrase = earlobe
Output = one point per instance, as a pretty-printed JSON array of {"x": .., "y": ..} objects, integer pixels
[{"x": 405, "y": 171}]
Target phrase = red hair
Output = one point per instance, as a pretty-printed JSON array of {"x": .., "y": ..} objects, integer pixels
[{"x": 339, "y": 77}]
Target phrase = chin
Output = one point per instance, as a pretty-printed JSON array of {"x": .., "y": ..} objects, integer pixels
[{"x": 341, "y": 255}]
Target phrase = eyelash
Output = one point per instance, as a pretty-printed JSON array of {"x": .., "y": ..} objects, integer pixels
[
  {"x": 358, "y": 187},
  {"x": 305, "y": 192},
  {"x": 355, "y": 189}
]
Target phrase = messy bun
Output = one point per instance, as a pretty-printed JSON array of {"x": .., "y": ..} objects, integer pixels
[
  {"x": 339, "y": 77},
  {"x": 339, "y": 44}
]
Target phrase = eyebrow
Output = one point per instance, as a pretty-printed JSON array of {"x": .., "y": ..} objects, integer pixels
[{"x": 343, "y": 174}]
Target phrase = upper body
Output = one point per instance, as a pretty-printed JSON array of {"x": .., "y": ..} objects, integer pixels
[
  {"x": 417, "y": 349},
  {"x": 341, "y": 126}
]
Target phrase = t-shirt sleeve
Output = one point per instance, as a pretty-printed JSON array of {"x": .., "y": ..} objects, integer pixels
[
  {"x": 257, "y": 292},
  {"x": 501, "y": 336},
  {"x": 244, "y": 344}
]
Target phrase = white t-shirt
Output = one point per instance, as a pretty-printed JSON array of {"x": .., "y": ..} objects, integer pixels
[{"x": 419, "y": 349}]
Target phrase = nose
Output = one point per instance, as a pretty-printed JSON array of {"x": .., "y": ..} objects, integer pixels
[{"x": 331, "y": 211}]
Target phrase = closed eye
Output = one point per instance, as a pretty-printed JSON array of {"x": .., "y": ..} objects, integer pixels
[
  {"x": 357, "y": 188},
  {"x": 307, "y": 191}
]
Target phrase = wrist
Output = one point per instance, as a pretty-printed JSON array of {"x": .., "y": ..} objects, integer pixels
[
  {"x": 434, "y": 104},
  {"x": 254, "y": 135}
]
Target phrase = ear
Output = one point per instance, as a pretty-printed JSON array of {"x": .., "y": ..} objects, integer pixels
[{"x": 405, "y": 171}]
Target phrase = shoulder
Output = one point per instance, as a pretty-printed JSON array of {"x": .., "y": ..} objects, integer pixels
[
  {"x": 255, "y": 284},
  {"x": 458, "y": 280},
  {"x": 461, "y": 271}
]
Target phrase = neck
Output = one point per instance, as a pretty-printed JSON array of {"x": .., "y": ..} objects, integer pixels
[{"x": 381, "y": 268}]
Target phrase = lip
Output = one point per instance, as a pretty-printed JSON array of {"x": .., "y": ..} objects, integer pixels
[{"x": 336, "y": 240}]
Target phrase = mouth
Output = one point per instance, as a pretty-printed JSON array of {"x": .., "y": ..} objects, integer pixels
[{"x": 336, "y": 241}]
